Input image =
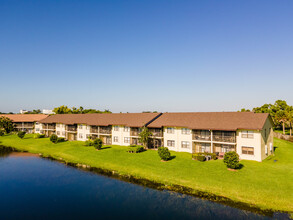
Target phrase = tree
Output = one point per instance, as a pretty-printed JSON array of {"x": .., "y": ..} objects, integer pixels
[
  {"x": 54, "y": 138},
  {"x": 231, "y": 159},
  {"x": 6, "y": 124},
  {"x": 144, "y": 136},
  {"x": 244, "y": 110},
  {"x": 289, "y": 112},
  {"x": 62, "y": 110}
]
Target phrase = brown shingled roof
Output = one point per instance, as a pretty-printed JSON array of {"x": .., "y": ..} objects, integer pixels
[
  {"x": 25, "y": 117},
  {"x": 212, "y": 120},
  {"x": 126, "y": 119}
]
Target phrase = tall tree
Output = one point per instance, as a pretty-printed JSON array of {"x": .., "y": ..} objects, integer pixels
[
  {"x": 62, "y": 110},
  {"x": 289, "y": 112},
  {"x": 6, "y": 124},
  {"x": 144, "y": 136}
]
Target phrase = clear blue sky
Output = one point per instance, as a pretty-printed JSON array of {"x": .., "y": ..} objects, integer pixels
[{"x": 145, "y": 55}]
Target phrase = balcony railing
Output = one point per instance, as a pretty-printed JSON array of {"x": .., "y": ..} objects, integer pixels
[
  {"x": 50, "y": 127},
  {"x": 72, "y": 128},
  {"x": 156, "y": 132},
  {"x": 134, "y": 133},
  {"x": 101, "y": 130},
  {"x": 201, "y": 137},
  {"x": 229, "y": 139}
]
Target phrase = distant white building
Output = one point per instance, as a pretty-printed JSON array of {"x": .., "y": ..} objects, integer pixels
[
  {"x": 48, "y": 112},
  {"x": 22, "y": 111}
]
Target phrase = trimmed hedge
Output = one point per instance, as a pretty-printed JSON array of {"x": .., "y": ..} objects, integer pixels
[
  {"x": 54, "y": 138},
  {"x": 164, "y": 153},
  {"x": 199, "y": 156},
  {"x": 98, "y": 143},
  {"x": 231, "y": 159},
  {"x": 135, "y": 149},
  {"x": 21, "y": 134}
]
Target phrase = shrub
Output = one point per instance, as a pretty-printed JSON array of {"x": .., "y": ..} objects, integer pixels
[
  {"x": 37, "y": 135},
  {"x": 195, "y": 156},
  {"x": 60, "y": 139},
  {"x": 231, "y": 159},
  {"x": 88, "y": 143},
  {"x": 54, "y": 138},
  {"x": 135, "y": 149},
  {"x": 98, "y": 143},
  {"x": 164, "y": 153},
  {"x": 21, "y": 134},
  {"x": 1, "y": 133},
  {"x": 201, "y": 158}
]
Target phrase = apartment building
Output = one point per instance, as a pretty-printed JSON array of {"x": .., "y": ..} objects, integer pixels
[
  {"x": 26, "y": 122},
  {"x": 116, "y": 128},
  {"x": 249, "y": 134}
]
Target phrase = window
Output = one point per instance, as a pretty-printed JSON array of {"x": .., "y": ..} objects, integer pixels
[
  {"x": 87, "y": 136},
  {"x": 204, "y": 147},
  {"x": 87, "y": 127},
  {"x": 247, "y": 134},
  {"x": 248, "y": 150},
  {"x": 127, "y": 140},
  {"x": 170, "y": 130},
  {"x": 58, "y": 132},
  {"x": 170, "y": 143},
  {"x": 116, "y": 128},
  {"x": 58, "y": 125},
  {"x": 266, "y": 149},
  {"x": 63, "y": 133},
  {"x": 185, "y": 131},
  {"x": 37, "y": 129},
  {"x": 80, "y": 126},
  {"x": 37, "y": 123},
  {"x": 115, "y": 138},
  {"x": 126, "y": 129},
  {"x": 185, "y": 144},
  {"x": 80, "y": 135},
  {"x": 265, "y": 133}
]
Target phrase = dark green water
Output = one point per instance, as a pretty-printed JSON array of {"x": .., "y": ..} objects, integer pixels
[{"x": 37, "y": 188}]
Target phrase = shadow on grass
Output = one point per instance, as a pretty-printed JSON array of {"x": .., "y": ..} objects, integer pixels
[
  {"x": 240, "y": 166},
  {"x": 172, "y": 157},
  {"x": 275, "y": 148},
  {"x": 28, "y": 138},
  {"x": 106, "y": 147}
]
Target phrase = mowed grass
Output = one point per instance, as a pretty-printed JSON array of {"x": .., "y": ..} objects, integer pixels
[{"x": 267, "y": 185}]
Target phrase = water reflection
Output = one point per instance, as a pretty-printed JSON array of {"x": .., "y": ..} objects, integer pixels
[
  {"x": 36, "y": 188},
  {"x": 4, "y": 151}
]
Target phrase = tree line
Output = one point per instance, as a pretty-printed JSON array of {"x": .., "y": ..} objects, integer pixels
[
  {"x": 63, "y": 109},
  {"x": 280, "y": 111}
]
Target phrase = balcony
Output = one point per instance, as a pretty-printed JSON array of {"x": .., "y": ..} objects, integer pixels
[
  {"x": 71, "y": 128},
  {"x": 48, "y": 126},
  {"x": 134, "y": 131},
  {"x": 157, "y": 132},
  {"x": 201, "y": 135},
  {"x": 224, "y": 136},
  {"x": 101, "y": 130}
]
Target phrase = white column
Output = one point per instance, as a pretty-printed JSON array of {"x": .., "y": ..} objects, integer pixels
[{"x": 212, "y": 145}]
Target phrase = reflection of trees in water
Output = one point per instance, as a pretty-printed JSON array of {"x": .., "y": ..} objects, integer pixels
[{"x": 5, "y": 151}]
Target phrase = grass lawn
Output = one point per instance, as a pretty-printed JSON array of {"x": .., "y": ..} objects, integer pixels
[{"x": 267, "y": 185}]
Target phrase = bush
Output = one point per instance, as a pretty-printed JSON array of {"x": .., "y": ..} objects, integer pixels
[
  {"x": 98, "y": 143},
  {"x": 37, "y": 135},
  {"x": 201, "y": 158},
  {"x": 1, "y": 133},
  {"x": 231, "y": 159},
  {"x": 21, "y": 134},
  {"x": 54, "y": 138},
  {"x": 164, "y": 153},
  {"x": 201, "y": 155},
  {"x": 60, "y": 139},
  {"x": 135, "y": 149},
  {"x": 89, "y": 143}
]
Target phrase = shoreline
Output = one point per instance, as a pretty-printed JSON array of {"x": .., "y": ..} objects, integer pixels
[{"x": 157, "y": 185}]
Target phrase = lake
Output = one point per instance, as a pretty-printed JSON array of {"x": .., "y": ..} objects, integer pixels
[{"x": 36, "y": 188}]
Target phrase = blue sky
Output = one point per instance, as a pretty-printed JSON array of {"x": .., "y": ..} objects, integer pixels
[{"x": 132, "y": 56}]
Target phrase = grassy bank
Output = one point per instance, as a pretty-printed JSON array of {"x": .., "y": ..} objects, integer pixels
[{"x": 267, "y": 185}]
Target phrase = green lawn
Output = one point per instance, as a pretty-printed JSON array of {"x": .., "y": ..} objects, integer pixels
[{"x": 267, "y": 185}]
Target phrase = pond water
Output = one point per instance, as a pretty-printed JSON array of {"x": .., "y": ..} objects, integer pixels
[{"x": 37, "y": 188}]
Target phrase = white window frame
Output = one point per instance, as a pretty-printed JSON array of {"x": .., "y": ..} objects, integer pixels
[
  {"x": 247, "y": 151},
  {"x": 116, "y": 128},
  {"x": 126, "y": 129},
  {"x": 126, "y": 140},
  {"x": 170, "y": 143},
  {"x": 185, "y": 144},
  {"x": 80, "y": 126},
  {"x": 115, "y": 139},
  {"x": 247, "y": 134},
  {"x": 185, "y": 131},
  {"x": 170, "y": 130},
  {"x": 80, "y": 135},
  {"x": 63, "y": 133}
]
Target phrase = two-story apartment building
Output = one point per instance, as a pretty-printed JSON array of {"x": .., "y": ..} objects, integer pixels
[
  {"x": 26, "y": 122},
  {"x": 249, "y": 134},
  {"x": 115, "y": 128}
]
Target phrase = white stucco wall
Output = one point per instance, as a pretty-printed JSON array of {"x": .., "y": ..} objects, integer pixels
[
  {"x": 82, "y": 132},
  {"x": 38, "y": 127},
  {"x": 178, "y": 137},
  {"x": 60, "y": 130},
  {"x": 120, "y": 134}
]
